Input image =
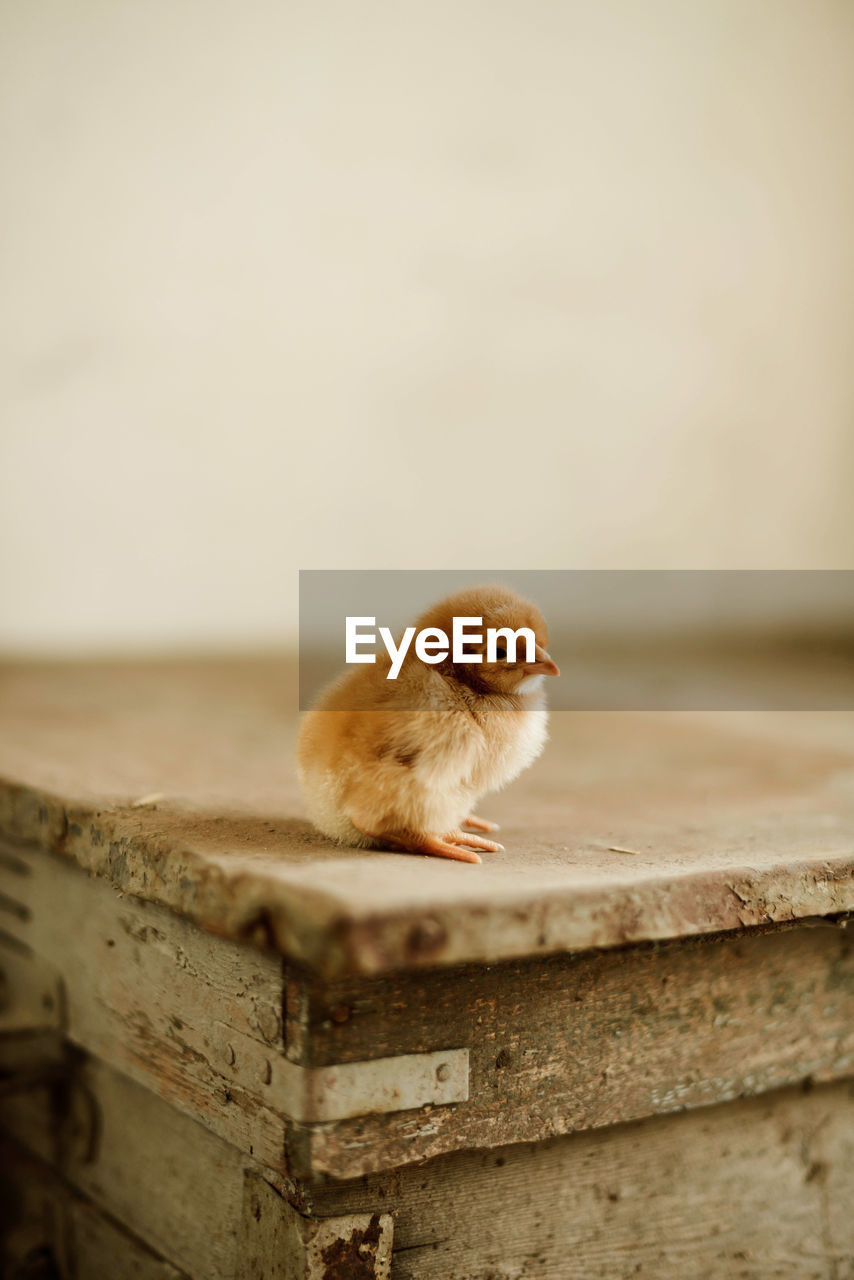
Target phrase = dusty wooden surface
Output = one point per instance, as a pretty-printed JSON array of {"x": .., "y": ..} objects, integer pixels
[
  {"x": 754, "y": 1188},
  {"x": 166, "y": 1179},
  {"x": 759, "y": 1189},
  {"x": 576, "y": 1043},
  {"x": 553, "y": 1044},
  {"x": 95, "y": 1148},
  {"x": 735, "y": 818},
  {"x": 42, "y": 1218},
  {"x": 144, "y": 991}
]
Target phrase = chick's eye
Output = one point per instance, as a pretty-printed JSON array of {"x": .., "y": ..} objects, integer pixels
[{"x": 500, "y": 654}]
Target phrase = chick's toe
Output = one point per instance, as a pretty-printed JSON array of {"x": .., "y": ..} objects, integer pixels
[
  {"x": 480, "y": 824},
  {"x": 456, "y": 844}
]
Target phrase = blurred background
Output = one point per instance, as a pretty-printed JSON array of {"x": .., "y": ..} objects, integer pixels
[{"x": 292, "y": 285}]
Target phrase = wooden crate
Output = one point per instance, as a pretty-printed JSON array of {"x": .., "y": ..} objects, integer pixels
[{"x": 233, "y": 1050}]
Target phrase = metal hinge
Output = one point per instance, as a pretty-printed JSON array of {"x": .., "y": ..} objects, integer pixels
[{"x": 317, "y": 1095}]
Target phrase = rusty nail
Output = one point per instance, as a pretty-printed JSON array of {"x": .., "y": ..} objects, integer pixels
[{"x": 266, "y": 1072}]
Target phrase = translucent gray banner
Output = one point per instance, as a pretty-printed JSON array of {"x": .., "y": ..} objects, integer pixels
[{"x": 623, "y": 639}]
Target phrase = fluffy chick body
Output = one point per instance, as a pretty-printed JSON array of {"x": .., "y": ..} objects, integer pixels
[{"x": 390, "y": 763}]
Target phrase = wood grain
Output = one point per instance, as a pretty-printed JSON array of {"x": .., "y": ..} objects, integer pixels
[
  {"x": 583, "y": 1042},
  {"x": 41, "y": 1216},
  {"x": 758, "y": 1189},
  {"x": 170, "y": 1181},
  {"x": 739, "y": 818},
  {"x": 148, "y": 993},
  {"x": 753, "y": 1188},
  {"x": 556, "y": 1045}
]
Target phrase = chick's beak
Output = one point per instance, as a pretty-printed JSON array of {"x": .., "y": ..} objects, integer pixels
[{"x": 544, "y": 665}]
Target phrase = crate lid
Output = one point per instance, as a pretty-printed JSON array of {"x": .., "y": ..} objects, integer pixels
[{"x": 175, "y": 781}]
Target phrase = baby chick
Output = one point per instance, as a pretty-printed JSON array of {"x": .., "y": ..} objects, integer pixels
[{"x": 400, "y": 764}]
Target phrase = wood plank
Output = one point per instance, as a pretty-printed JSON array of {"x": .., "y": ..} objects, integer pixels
[
  {"x": 759, "y": 828},
  {"x": 282, "y": 1244},
  {"x": 556, "y": 1045},
  {"x": 148, "y": 993},
  {"x": 96, "y": 1151},
  {"x": 758, "y": 1188},
  {"x": 31, "y": 992},
  {"x": 587, "y": 1041},
  {"x": 170, "y": 1181},
  {"x": 41, "y": 1217}
]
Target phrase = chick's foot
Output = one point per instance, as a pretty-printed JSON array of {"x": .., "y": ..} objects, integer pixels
[
  {"x": 480, "y": 824},
  {"x": 458, "y": 845}
]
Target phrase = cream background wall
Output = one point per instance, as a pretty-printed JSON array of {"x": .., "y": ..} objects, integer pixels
[{"x": 291, "y": 284}]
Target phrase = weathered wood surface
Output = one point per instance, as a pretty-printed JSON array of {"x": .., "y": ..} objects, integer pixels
[
  {"x": 736, "y": 819},
  {"x": 196, "y": 1019},
  {"x": 282, "y": 1244},
  {"x": 169, "y": 1181},
  {"x": 145, "y": 991},
  {"x": 574, "y": 1043},
  {"x": 95, "y": 1150},
  {"x": 553, "y": 1045},
  {"x": 42, "y": 1218},
  {"x": 758, "y": 1189},
  {"x": 752, "y": 1188}
]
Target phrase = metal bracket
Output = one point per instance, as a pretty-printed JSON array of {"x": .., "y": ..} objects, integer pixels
[{"x": 319, "y": 1095}]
